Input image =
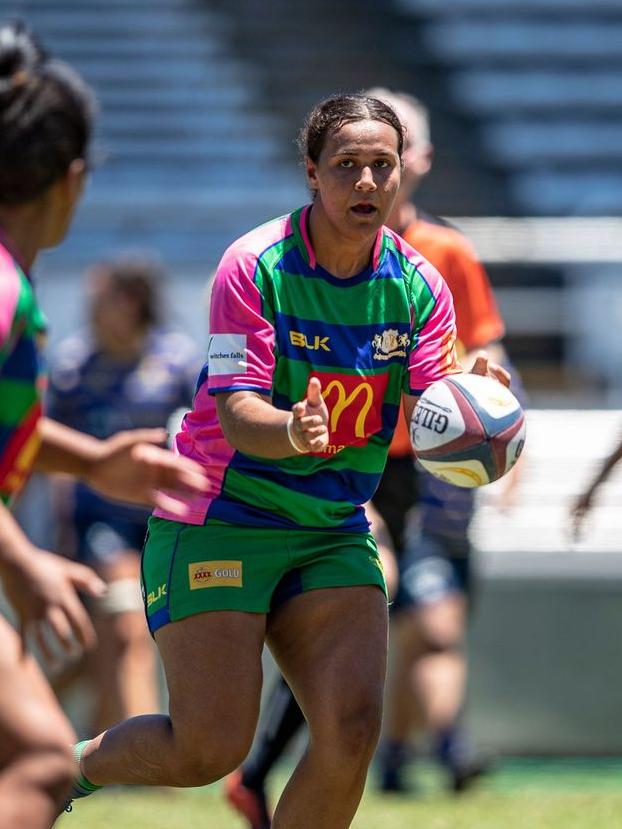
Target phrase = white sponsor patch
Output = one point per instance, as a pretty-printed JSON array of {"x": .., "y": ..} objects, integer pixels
[{"x": 227, "y": 354}]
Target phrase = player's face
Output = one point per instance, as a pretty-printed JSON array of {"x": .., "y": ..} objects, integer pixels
[{"x": 357, "y": 177}]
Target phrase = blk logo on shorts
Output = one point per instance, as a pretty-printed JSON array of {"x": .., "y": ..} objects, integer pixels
[{"x": 203, "y": 574}]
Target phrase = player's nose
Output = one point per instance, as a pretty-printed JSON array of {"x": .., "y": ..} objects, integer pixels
[{"x": 366, "y": 181}]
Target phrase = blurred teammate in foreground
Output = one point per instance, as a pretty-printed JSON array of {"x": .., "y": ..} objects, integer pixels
[
  {"x": 427, "y": 687},
  {"x": 320, "y": 322},
  {"x": 125, "y": 371},
  {"x": 45, "y": 127}
]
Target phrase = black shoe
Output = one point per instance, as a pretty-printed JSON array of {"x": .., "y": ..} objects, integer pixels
[
  {"x": 463, "y": 777},
  {"x": 392, "y": 782}
]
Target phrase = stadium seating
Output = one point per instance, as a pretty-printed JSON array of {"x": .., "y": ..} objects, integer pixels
[
  {"x": 189, "y": 156},
  {"x": 542, "y": 78}
]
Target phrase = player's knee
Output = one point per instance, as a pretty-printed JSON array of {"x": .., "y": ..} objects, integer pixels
[
  {"x": 352, "y": 735},
  {"x": 440, "y": 642}
]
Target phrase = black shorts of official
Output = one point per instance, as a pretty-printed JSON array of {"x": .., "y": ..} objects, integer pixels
[{"x": 433, "y": 569}]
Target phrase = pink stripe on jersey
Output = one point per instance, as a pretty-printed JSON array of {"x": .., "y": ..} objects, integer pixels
[
  {"x": 201, "y": 439},
  {"x": 9, "y": 294},
  {"x": 304, "y": 232}
]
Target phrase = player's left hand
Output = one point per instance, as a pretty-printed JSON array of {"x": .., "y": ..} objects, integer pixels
[
  {"x": 310, "y": 423},
  {"x": 486, "y": 368},
  {"x": 131, "y": 466}
]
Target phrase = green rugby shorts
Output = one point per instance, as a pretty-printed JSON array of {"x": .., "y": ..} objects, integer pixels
[{"x": 188, "y": 569}]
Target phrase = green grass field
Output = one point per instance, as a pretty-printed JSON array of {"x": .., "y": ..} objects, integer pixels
[{"x": 521, "y": 794}]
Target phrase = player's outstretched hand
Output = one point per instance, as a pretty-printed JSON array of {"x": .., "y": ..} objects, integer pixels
[
  {"x": 131, "y": 466},
  {"x": 486, "y": 368},
  {"x": 309, "y": 428},
  {"x": 43, "y": 590}
]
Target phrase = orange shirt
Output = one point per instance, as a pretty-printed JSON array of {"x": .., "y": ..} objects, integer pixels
[{"x": 478, "y": 321}]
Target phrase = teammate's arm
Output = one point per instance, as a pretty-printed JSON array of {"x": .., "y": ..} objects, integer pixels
[
  {"x": 42, "y": 587},
  {"x": 253, "y": 425},
  {"x": 125, "y": 467}
]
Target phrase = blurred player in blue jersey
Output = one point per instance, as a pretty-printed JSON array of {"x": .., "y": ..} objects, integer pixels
[{"x": 125, "y": 371}]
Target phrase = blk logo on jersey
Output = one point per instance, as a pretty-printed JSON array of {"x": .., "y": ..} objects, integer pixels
[
  {"x": 354, "y": 404},
  {"x": 311, "y": 343}
]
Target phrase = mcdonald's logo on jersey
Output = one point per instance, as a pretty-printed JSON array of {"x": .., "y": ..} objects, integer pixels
[{"x": 354, "y": 404}]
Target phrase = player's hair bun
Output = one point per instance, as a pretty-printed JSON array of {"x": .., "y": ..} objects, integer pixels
[
  {"x": 46, "y": 115},
  {"x": 20, "y": 57}
]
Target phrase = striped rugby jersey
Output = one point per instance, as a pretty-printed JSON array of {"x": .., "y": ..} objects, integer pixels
[
  {"x": 21, "y": 376},
  {"x": 278, "y": 317}
]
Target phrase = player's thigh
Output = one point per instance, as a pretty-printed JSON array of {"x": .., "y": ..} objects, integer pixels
[
  {"x": 213, "y": 670},
  {"x": 331, "y": 645},
  {"x": 30, "y": 717}
]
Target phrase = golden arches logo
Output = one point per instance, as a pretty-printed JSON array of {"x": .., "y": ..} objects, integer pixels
[{"x": 344, "y": 400}]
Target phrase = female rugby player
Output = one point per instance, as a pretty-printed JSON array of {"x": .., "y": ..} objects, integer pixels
[
  {"x": 45, "y": 126},
  {"x": 321, "y": 322}
]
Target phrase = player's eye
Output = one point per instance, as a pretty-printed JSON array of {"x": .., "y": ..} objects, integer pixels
[
  {"x": 346, "y": 164},
  {"x": 381, "y": 163}
]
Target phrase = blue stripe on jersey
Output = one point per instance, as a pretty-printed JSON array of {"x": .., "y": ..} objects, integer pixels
[
  {"x": 6, "y": 433},
  {"x": 329, "y": 484},
  {"x": 23, "y": 362},
  {"x": 324, "y": 344},
  {"x": 245, "y": 515}
]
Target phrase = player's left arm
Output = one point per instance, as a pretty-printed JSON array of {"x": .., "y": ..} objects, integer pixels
[
  {"x": 129, "y": 466},
  {"x": 433, "y": 346}
]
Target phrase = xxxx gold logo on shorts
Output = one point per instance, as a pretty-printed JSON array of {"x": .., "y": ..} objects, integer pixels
[{"x": 215, "y": 574}]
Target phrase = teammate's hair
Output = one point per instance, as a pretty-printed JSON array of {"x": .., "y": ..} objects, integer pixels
[
  {"x": 46, "y": 116},
  {"x": 334, "y": 112},
  {"x": 415, "y": 117},
  {"x": 139, "y": 278}
]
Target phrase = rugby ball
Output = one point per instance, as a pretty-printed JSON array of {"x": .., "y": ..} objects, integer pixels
[{"x": 467, "y": 429}]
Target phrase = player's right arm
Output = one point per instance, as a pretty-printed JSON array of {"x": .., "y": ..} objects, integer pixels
[
  {"x": 433, "y": 348},
  {"x": 253, "y": 425},
  {"x": 241, "y": 364}
]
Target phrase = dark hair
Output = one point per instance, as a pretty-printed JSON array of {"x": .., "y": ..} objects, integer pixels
[
  {"x": 46, "y": 116},
  {"x": 139, "y": 278},
  {"x": 332, "y": 113}
]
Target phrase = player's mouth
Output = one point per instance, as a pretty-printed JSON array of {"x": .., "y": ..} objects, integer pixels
[{"x": 364, "y": 208}]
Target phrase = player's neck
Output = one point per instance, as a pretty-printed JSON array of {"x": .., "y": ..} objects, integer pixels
[{"x": 340, "y": 256}]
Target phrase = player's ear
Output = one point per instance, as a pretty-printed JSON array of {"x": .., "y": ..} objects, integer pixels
[
  {"x": 69, "y": 187},
  {"x": 311, "y": 172}
]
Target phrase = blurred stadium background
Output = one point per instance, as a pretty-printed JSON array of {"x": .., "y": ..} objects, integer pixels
[{"x": 200, "y": 104}]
